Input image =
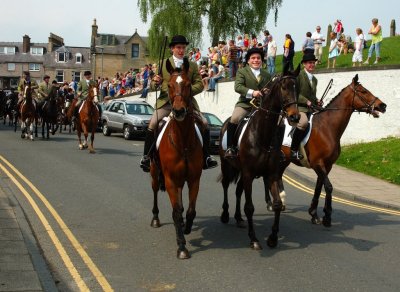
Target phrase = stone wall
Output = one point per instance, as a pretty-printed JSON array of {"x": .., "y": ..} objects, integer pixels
[{"x": 362, "y": 127}]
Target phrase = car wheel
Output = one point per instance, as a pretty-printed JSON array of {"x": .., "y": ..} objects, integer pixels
[
  {"x": 127, "y": 132},
  {"x": 106, "y": 130}
]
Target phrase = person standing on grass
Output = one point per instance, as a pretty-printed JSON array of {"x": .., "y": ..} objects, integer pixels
[
  {"x": 333, "y": 50},
  {"x": 376, "y": 33},
  {"x": 318, "y": 40},
  {"x": 358, "y": 47}
]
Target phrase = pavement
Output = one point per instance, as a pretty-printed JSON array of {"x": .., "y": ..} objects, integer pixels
[{"x": 22, "y": 267}]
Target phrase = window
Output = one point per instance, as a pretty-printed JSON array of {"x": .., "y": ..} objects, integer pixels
[
  {"x": 135, "y": 50},
  {"x": 60, "y": 76},
  {"x": 7, "y": 50},
  {"x": 76, "y": 76},
  {"x": 78, "y": 58},
  {"x": 34, "y": 67},
  {"x": 36, "y": 51},
  {"x": 14, "y": 82},
  {"x": 11, "y": 66},
  {"x": 61, "y": 57}
]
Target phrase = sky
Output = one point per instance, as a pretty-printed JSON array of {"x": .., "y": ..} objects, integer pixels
[{"x": 73, "y": 20}]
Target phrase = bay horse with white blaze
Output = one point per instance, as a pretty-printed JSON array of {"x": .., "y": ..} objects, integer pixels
[
  {"x": 27, "y": 113},
  {"x": 87, "y": 119},
  {"x": 323, "y": 146},
  {"x": 180, "y": 157},
  {"x": 259, "y": 152}
]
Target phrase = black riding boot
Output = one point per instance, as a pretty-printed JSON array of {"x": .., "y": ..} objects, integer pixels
[
  {"x": 231, "y": 151},
  {"x": 148, "y": 146},
  {"x": 208, "y": 161},
  {"x": 298, "y": 135}
]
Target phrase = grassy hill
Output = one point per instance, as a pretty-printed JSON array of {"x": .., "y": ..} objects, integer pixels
[{"x": 390, "y": 48}]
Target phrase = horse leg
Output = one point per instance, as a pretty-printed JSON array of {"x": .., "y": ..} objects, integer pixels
[
  {"x": 23, "y": 129},
  {"x": 266, "y": 192},
  {"x": 326, "y": 220},
  {"x": 272, "y": 240},
  {"x": 314, "y": 202},
  {"x": 191, "y": 211},
  {"x": 155, "y": 222},
  {"x": 238, "y": 213},
  {"x": 225, "y": 185},
  {"x": 91, "y": 148},
  {"x": 31, "y": 131},
  {"x": 249, "y": 211}
]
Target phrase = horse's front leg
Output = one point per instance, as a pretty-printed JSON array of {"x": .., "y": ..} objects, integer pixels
[
  {"x": 238, "y": 213},
  {"x": 191, "y": 211},
  {"x": 23, "y": 129},
  {"x": 31, "y": 131},
  {"x": 327, "y": 219},
  {"x": 249, "y": 211},
  {"x": 91, "y": 147},
  {"x": 266, "y": 193},
  {"x": 272, "y": 240},
  {"x": 155, "y": 222},
  {"x": 225, "y": 185}
]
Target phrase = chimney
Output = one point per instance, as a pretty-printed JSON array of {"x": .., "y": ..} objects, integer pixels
[
  {"x": 94, "y": 35},
  {"x": 26, "y": 44}
]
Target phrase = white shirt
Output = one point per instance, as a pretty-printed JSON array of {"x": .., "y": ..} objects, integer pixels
[
  {"x": 256, "y": 72},
  {"x": 271, "y": 48},
  {"x": 178, "y": 62},
  {"x": 309, "y": 75},
  {"x": 317, "y": 37}
]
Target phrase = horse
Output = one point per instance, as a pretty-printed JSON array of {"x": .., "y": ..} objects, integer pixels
[
  {"x": 49, "y": 113},
  {"x": 323, "y": 147},
  {"x": 180, "y": 157},
  {"x": 27, "y": 113},
  {"x": 259, "y": 152},
  {"x": 87, "y": 119},
  {"x": 64, "y": 117},
  {"x": 10, "y": 109}
]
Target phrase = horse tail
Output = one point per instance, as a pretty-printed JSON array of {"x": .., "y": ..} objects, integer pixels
[{"x": 230, "y": 174}]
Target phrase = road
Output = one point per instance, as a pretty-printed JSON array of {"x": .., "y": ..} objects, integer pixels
[{"x": 92, "y": 222}]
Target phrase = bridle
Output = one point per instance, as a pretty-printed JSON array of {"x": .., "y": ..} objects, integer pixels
[
  {"x": 179, "y": 93},
  {"x": 368, "y": 107}
]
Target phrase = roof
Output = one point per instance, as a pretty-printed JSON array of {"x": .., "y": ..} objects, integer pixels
[
  {"x": 113, "y": 43},
  {"x": 20, "y": 57}
]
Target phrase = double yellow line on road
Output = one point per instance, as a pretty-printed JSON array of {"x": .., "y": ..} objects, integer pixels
[
  {"x": 57, "y": 243},
  {"x": 307, "y": 190}
]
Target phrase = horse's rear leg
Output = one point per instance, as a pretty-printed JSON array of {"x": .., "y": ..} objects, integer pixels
[
  {"x": 249, "y": 211},
  {"x": 155, "y": 222},
  {"x": 327, "y": 219},
  {"x": 238, "y": 213},
  {"x": 225, "y": 185},
  {"x": 191, "y": 211}
]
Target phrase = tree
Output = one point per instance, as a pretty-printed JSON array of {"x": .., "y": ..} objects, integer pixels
[{"x": 224, "y": 18}]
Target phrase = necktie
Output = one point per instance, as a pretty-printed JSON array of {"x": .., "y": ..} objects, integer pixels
[{"x": 259, "y": 78}]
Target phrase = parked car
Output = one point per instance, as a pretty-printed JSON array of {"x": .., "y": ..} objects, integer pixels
[
  {"x": 215, "y": 125},
  {"x": 128, "y": 117}
]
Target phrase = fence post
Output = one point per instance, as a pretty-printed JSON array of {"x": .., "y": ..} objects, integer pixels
[
  {"x": 328, "y": 36},
  {"x": 393, "y": 28}
]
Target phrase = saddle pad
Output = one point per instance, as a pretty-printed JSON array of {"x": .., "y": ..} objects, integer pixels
[
  {"x": 167, "y": 120},
  {"x": 225, "y": 138},
  {"x": 287, "y": 138}
]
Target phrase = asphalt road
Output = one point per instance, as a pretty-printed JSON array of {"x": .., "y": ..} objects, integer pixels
[{"x": 98, "y": 209}]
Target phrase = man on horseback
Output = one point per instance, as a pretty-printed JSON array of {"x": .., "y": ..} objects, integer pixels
[
  {"x": 178, "y": 46},
  {"x": 307, "y": 87},
  {"x": 26, "y": 78},
  {"x": 82, "y": 92},
  {"x": 249, "y": 82},
  {"x": 43, "y": 92}
]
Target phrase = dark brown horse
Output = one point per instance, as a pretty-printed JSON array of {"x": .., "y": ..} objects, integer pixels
[
  {"x": 27, "y": 113},
  {"x": 180, "y": 157},
  {"x": 10, "y": 108},
  {"x": 88, "y": 119},
  {"x": 323, "y": 147},
  {"x": 259, "y": 152},
  {"x": 49, "y": 113}
]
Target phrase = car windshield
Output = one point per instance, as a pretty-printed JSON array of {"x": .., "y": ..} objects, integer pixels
[
  {"x": 139, "y": 109},
  {"x": 213, "y": 120}
]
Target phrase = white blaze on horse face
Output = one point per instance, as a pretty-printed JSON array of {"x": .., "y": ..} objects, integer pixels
[
  {"x": 179, "y": 80},
  {"x": 95, "y": 95},
  {"x": 25, "y": 91}
]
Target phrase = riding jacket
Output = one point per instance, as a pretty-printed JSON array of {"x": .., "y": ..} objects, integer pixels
[
  {"x": 44, "y": 90},
  {"x": 194, "y": 76},
  {"x": 83, "y": 88},
  {"x": 246, "y": 80},
  {"x": 307, "y": 91},
  {"x": 34, "y": 86}
]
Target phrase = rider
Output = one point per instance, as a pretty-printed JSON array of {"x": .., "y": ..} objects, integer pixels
[
  {"x": 307, "y": 88},
  {"x": 177, "y": 46},
  {"x": 26, "y": 78},
  {"x": 249, "y": 82},
  {"x": 82, "y": 92},
  {"x": 43, "y": 91}
]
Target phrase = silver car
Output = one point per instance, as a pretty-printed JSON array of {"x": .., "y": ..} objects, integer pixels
[{"x": 128, "y": 117}]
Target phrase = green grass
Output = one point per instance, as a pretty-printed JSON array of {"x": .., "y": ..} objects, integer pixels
[
  {"x": 390, "y": 49},
  {"x": 380, "y": 159}
]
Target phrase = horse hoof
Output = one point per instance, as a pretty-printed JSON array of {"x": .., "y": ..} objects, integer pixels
[
  {"x": 255, "y": 245},
  {"x": 80, "y": 147},
  {"x": 225, "y": 217},
  {"x": 272, "y": 242},
  {"x": 283, "y": 208},
  {"x": 326, "y": 221},
  {"x": 85, "y": 146},
  {"x": 92, "y": 151},
  {"x": 183, "y": 254},
  {"x": 155, "y": 223},
  {"x": 269, "y": 207},
  {"x": 240, "y": 223},
  {"x": 22, "y": 136},
  {"x": 315, "y": 220}
]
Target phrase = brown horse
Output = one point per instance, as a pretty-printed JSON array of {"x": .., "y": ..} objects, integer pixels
[
  {"x": 180, "y": 157},
  {"x": 49, "y": 113},
  {"x": 88, "y": 119},
  {"x": 323, "y": 146},
  {"x": 27, "y": 113},
  {"x": 259, "y": 152}
]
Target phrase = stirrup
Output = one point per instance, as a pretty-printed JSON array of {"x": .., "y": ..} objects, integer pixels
[
  {"x": 145, "y": 163},
  {"x": 295, "y": 155},
  {"x": 231, "y": 153},
  {"x": 210, "y": 162}
]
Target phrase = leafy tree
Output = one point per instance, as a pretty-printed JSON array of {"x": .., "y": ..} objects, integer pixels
[{"x": 224, "y": 18}]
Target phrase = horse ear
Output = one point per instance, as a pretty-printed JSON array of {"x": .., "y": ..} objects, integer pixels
[
  {"x": 185, "y": 64},
  {"x": 297, "y": 71},
  {"x": 170, "y": 69},
  {"x": 355, "y": 79}
]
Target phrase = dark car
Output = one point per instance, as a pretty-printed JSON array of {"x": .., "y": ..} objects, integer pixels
[
  {"x": 215, "y": 125},
  {"x": 128, "y": 117}
]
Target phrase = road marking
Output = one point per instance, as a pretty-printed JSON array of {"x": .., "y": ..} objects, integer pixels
[
  {"x": 308, "y": 190},
  {"x": 78, "y": 247}
]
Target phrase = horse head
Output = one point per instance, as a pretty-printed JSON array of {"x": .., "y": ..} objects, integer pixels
[
  {"x": 364, "y": 101},
  {"x": 283, "y": 94},
  {"x": 179, "y": 89},
  {"x": 27, "y": 90},
  {"x": 92, "y": 94}
]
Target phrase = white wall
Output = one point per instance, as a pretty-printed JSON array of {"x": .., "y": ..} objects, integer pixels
[{"x": 362, "y": 127}]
